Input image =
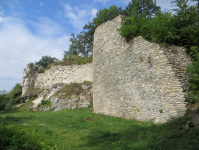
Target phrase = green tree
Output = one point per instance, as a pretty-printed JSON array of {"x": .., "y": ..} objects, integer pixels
[
  {"x": 186, "y": 24},
  {"x": 3, "y": 100},
  {"x": 80, "y": 45},
  {"x": 104, "y": 15},
  {"x": 140, "y": 6},
  {"x": 45, "y": 61},
  {"x": 182, "y": 12},
  {"x": 14, "y": 96}
]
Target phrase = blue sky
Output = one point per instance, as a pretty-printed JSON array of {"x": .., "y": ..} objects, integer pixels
[{"x": 30, "y": 29}]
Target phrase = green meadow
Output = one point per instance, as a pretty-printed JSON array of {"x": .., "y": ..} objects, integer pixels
[{"x": 82, "y": 129}]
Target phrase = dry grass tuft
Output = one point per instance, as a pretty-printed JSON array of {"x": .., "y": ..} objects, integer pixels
[{"x": 90, "y": 119}]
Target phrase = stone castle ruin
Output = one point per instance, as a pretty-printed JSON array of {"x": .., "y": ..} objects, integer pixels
[
  {"x": 136, "y": 80},
  {"x": 55, "y": 75}
]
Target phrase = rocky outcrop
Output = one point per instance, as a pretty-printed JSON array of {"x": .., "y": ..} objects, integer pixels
[
  {"x": 79, "y": 102},
  {"x": 74, "y": 101},
  {"x": 61, "y": 101}
]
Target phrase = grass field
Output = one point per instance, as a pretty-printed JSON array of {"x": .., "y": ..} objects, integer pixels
[{"x": 83, "y": 129}]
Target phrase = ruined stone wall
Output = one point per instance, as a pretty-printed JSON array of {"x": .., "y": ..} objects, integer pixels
[
  {"x": 29, "y": 77},
  {"x": 137, "y": 80},
  {"x": 56, "y": 74}
]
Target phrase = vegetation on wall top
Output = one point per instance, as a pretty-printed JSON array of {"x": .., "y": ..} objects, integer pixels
[{"x": 180, "y": 29}]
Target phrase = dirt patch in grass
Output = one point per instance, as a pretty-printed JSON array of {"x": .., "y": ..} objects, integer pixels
[{"x": 90, "y": 119}]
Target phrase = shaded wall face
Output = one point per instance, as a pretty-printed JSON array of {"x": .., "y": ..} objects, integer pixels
[{"x": 134, "y": 80}]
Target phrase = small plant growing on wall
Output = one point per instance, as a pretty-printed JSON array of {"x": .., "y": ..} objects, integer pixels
[
  {"x": 149, "y": 60},
  {"x": 161, "y": 111},
  {"x": 190, "y": 124}
]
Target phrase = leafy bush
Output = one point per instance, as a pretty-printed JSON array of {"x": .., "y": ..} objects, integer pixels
[
  {"x": 190, "y": 124},
  {"x": 45, "y": 103},
  {"x": 3, "y": 100},
  {"x": 48, "y": 67},
  {"x": 45, "y": 62},
  {"x": 21, "y": 137},
  {"x": 74, "y": 59},
  {"x": 14, "y": 96}
]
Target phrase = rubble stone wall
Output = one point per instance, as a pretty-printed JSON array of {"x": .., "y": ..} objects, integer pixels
[
  {"x": 29, "y": 76},
  {"x": 137, "y": 80},
  {"x": 55, "y": 75}
]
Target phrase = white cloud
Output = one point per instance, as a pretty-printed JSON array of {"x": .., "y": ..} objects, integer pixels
[
  {"x": 79, "y": 17},
  {"x": 126, "y": 2},
  {"x": 19, "y": 46},
  {"x": 93, "y": 12},
  {"x": 68, "y": 7},
  {"x": 47, "y": 28},
  {"x": 41, "y": 3}
]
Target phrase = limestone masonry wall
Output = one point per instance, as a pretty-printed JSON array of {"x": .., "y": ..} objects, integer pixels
[
  {"x": 56, "y": 74},
  {"x": 137, "y": 80}
]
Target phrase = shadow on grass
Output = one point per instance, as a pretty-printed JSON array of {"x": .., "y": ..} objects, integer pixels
[
  {"x": 12, "y": 110},
  {"x": 168, "y": 136},
  {"x": 8, "y": 120}
]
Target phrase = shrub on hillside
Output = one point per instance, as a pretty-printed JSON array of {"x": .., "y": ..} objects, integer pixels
[
  {"x": 74, "y": 59},
  {"x": 44, "y": 63},
  {"x": 14, "y": 96},
  {"x": 3, "y": 100}
]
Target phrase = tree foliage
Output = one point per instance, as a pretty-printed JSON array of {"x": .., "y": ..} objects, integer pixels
[
  {"x": 81, "y": 44},
  {"x": 14, "y": 96},
  {"x": 45, "y": 61},
  {"x": 8, "y": 100},
  {"x": 138, "y": 7},
  {"x": 104, "y": 15},
  {"x": 3, "y": 100}
]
